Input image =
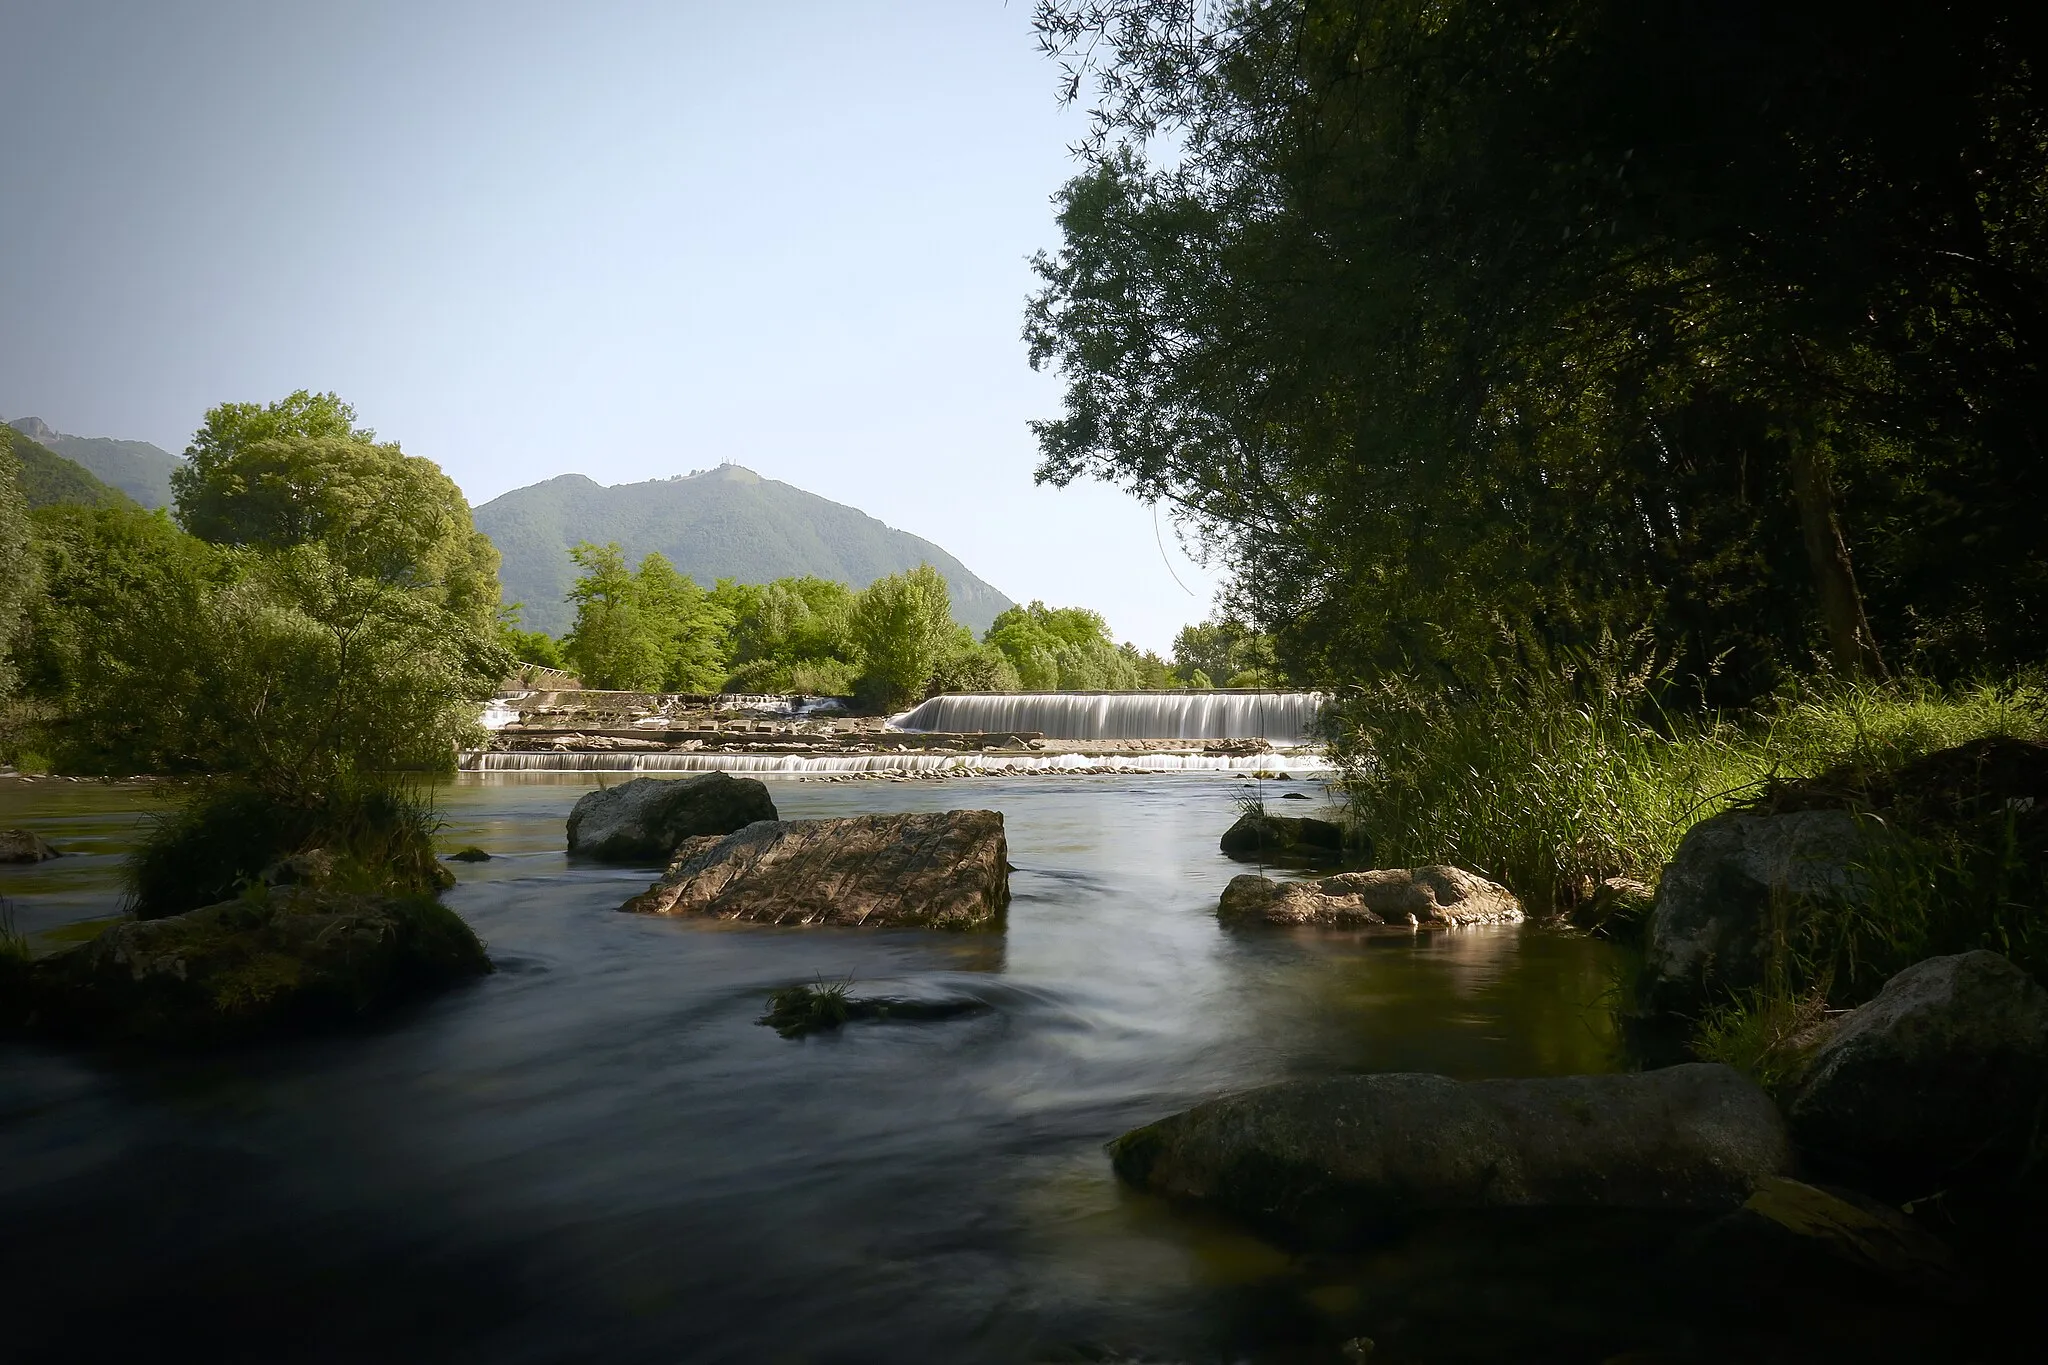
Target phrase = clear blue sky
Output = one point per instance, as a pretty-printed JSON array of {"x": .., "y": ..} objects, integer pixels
[{"x": 625, "y": 239}]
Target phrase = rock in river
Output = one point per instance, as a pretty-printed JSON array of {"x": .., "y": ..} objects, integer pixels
[
  {"x": 24, "y": 846},
  {"x": 1942, "y": 1077},
  {"x": 942, "y": 870},
  {"x": 1439, "y": 896},
  {"x": 1257, "y": 835},
  {"x": 1710, "y": 927},
  {"x": 643, "y": 821},
  {"x": 251, "y": 966},
  {"x": 1336, "y": 1161}
]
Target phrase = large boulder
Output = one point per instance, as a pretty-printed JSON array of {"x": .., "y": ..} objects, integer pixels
[
  {"x": 1338, "y": 1161},
  {"x": 1426, "y": 896},
  {"x": 24, "y": 846},
  {"x": 942, "y": 870},
  {"x": 251, "y": 966},
  {"x": 643, "y": 821},
  {"x": 1258, "y": 835},
  {"x": 1941, "y": 1078},
  {"x": 1710, "y": 930}
]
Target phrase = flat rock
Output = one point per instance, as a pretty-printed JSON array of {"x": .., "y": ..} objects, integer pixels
[
  {"x": 943, "y": 870},
  {"x": 1431, "y": 896},
  {"x": 643, "y": 821},
  {"x": 1942, "y": 1077},
  {"x": 1709, "y": 930},
  {"x": 24, "y": 846},
  {"x": 250, "y": 967},
  {"x": 1338, "y": 1161}
]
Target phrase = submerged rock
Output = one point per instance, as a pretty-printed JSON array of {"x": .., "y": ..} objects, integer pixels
[
  {"x": 1338, "y": 1161},
  {"x": 801, "y": 1010},
  {"x": 1257, "y": 835},
  {"x": 1788, "y": 1232},
  {"x": 1941, "y": 1077},
  {"x": 1710, "y": 928},
  {"x": 251, "y": 966},
  {"x": 643, "y": 821},
  {"x": 1434, "y": 896},
  {"x": 471, "y": 854},
  {"x": 943, "y": 870},
  {"x": 25, "y": 846}
]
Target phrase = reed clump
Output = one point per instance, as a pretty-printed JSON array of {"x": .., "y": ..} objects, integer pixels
[
  {"x": 358, "y": 837},
  {"x": 1572, "y": 769}
]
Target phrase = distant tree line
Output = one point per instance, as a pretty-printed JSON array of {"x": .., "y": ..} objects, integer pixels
[
  {"x": 1472, "y": 333},
  {"x": 646, "y": 627}
]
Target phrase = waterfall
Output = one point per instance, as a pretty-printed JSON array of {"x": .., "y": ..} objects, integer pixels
[
  {"x": 1276, "y": 717},
  {"x": 983, "y": 764}
]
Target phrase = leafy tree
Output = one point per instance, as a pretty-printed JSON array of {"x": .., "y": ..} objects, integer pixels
[
  {"x": 903, "y": 626},
  {"x": 300, "y": 472},
  {"x": 1467, "y": 331},
  {"x": 16, "y": 563},
  {"x": 528, "y": 646},
  {"x": 612, "y": 644},
  {"x": 690, "y": 627},
  {"x": 1062, "y": 649},
  {"x": 1225, "y": 648}
]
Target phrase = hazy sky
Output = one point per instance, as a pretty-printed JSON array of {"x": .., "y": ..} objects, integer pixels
[{"x": 625, "y": 239}]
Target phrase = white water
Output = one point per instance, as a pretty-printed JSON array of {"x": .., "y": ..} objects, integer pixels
[
  {"x": 1276, "y": 717},
  {"x": 629, "y": 762}
]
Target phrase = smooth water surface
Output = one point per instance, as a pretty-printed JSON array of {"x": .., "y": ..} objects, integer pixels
[{"x": 597, "y": 1154}]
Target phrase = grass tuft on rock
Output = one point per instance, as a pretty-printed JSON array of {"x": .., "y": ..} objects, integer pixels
[
  {"x": 817, "y": 1007},
  {"x": 366, "y": 837}
]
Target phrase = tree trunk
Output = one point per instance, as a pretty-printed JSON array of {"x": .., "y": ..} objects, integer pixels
[{"x": 1827, "y": 553}]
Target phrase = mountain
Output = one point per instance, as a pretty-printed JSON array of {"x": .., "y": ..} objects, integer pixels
[
  {"x": 137, "y": 468},
  {"x": 726, "y": 523},
  {"x": 47, "y": 478}
]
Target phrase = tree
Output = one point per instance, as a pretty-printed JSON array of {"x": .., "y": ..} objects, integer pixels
[
  {"x": 612, "y": 645},
  {"x": 1225, "y": 648},
  {"x": 1466, "y": 329},
  {"x": 299, "y": 472},
  {"x": 690, "y": 628},
  {"x": 903, "y": 626},
  {"x": 17, "y": 579},
  {"x": 1062, "y": 649}
]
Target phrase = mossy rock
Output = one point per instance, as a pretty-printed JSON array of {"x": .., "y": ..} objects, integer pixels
[{"x": 269, "y": 962}]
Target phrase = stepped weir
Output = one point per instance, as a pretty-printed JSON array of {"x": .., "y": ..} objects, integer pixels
[
  {"x": 1280, "y": 718},
  {"x": 954, "y": 735}
]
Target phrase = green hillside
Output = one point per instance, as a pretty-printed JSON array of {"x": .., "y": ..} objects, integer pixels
[
  {"x": 47, "y": 478},
  {"x": 137, "y": 468},
  {"x": 726, "y": 523}
]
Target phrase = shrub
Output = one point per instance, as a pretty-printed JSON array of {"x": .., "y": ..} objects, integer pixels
[{"x": 372, "y": 838}]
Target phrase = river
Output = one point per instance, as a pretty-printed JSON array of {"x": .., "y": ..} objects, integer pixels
[{"x": 597, "y": 1154}]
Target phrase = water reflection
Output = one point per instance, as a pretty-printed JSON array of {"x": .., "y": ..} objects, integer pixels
[{"x": 597, "y": 1152}]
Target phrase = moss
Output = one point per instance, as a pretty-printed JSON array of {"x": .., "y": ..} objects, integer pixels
[{"x": 268, "y": 961}]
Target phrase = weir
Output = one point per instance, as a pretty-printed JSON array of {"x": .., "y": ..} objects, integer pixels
[
  {"x": 1276, "y": 717},
  {"x": 987, "y": 764}
]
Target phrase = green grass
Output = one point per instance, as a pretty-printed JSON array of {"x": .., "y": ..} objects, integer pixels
[
  {"x": 1549, "y": 780},
  {"x": 375, "y": 838}
]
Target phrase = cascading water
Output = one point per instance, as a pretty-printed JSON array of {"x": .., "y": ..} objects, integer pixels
[
  {"x": 630, "y": 762},
  {"x": 1276, "y": 717}
]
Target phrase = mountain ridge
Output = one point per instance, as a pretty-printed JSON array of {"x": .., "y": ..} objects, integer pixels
[
  {"x": 727, "y": 522},
  {"x": 137, "y": 468}
]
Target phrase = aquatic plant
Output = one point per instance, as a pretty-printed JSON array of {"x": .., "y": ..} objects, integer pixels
[{"x": 806, "y": 1008}]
